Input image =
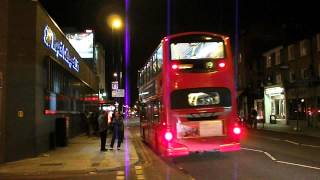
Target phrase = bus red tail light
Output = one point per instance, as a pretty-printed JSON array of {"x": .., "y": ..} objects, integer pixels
[
  {"x": 237, "y": 130},
  {"x": 221, "y": 65},
  {"x": 174, "y": 66},
  {"x": 168, "y": 136},
  {"x": 181, "y": 66}
]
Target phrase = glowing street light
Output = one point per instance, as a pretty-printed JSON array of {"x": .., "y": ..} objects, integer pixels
[
  {"x": 115, "y": 22},
  {"x": 115, "y": 74}
]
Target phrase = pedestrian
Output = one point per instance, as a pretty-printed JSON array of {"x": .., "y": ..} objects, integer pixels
[
  {"x": 85, "y": 119},
  {"x": 118, "y": 129},
  {"x": 110, "y": 115},
  {"x": 95, "y": 123},
  {"x": 103, "y": 129},
  {"x": 253, "y": 117}
]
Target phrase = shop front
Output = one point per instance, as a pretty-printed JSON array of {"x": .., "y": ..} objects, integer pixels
[
  {"x": 275, "y": 105},
  {"x": 42, "y": 85}
]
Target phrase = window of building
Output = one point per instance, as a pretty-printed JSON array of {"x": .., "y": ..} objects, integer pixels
[
  {"x": 239, "y": 80},
  {"x": 269, "y": 61},
  {"x": 291, "y": 52},
  {"x": 319, "y": 70},
  {"x": 292, "y": 76},
  {"x": 62, "y": 91},
  {"x": 304, "y": 73},
  {"x": 278, "y": 59},
  {"x": 278, "y": 78},
  {"x": 269, "y": 79},
  {"x": 303, "y": 48},
  {"x": 318, "y": 42}
]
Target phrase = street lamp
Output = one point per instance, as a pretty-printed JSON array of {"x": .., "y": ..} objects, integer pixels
[{"x": 114, "y": 21}]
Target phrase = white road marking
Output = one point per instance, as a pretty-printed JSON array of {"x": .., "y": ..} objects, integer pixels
[
  {"x": 270, "y": 156},
  {"x": 138, "y": 167},
  {"x": 120, "y": 177},
  {"x": 120, "y": 173},
  {"x": 292, "y": 142},
  {"x": 249, "y": 149},
  {"x": 140, "y": 176},
  {"x": 283, "y": 162},
  {"x": 288, "y": 141},
  {"x": 139, "y": 171},
  {"x": 257, "y": 150},
  {"x": 301, "y": 165},
  {"x": 308, "y": 145}
]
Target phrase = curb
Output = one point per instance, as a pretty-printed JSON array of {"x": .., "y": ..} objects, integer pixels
[{"x": 284, "y": 132}]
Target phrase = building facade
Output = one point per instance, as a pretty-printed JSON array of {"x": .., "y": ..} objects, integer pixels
[
  {"x": 292, "y": 91},
  {"x": 250, "y": 74},
  {"x": 100, "y": 56},
  {"x": 43, "y": 82}
]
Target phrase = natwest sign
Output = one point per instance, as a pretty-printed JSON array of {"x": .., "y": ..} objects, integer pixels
[{"x": 50, "y": 40}]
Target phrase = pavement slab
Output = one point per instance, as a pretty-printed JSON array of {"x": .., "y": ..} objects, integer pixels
[{"x": 82, "y": 155}]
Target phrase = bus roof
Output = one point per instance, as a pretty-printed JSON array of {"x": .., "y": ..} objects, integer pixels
[{"x": 194, "y": 33}]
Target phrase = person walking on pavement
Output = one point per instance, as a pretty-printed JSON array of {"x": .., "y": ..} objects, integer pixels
[
  {"x": 86, "y": 122},
  {"x": 103, "y": 129},
  {"x": 118, "y": 129},
  {"x": 253, "y": 117}
]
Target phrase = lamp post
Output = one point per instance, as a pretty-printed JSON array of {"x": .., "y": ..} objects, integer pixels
[{"x": 115, "y": 22}]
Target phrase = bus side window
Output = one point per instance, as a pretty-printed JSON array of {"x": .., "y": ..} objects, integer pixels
[
  {"x": 154, "y": 64},
  {"x": 156, "y": 112},
  {"x": 143, "y": 111},
  {"x": 149, "y": 113},
  {"x": 159, "y": 57}
]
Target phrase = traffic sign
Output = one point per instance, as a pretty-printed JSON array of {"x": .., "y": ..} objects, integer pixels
[
  {"x": 114, "y": 85},
  {"x": 117, "y": 93}
]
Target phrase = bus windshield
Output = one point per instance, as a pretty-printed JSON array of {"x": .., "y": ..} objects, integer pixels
[{"x": 197, "y": 50}]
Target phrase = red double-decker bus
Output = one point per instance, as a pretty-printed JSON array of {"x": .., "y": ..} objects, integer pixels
[{"x": 187, "y": 94}]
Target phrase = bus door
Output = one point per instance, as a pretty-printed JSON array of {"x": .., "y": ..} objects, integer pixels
[
  {"x": 155, "y": 106},
  {"x": 143, "y": 120}
]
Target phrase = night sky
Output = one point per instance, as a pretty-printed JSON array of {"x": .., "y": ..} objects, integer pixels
[{"x": 148, "y": 20}]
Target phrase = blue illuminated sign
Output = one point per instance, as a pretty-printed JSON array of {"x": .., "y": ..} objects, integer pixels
[{"x": 49, "y": 39}]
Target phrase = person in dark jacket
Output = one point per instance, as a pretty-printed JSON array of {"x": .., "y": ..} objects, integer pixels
[
  {"x": 103, "y": 129},
  {"x": 253, "y": 117},
  {"x": 118, "y": 129}
]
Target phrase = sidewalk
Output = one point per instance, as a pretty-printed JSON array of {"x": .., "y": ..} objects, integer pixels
[
  {"x": 308, "y": 131},
  {"x": 82, "y": 155}
]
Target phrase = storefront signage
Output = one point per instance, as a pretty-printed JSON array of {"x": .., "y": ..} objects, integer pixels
[
  {"x": 274, "y": 90},
  {"x": 50, "y": 40}
]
